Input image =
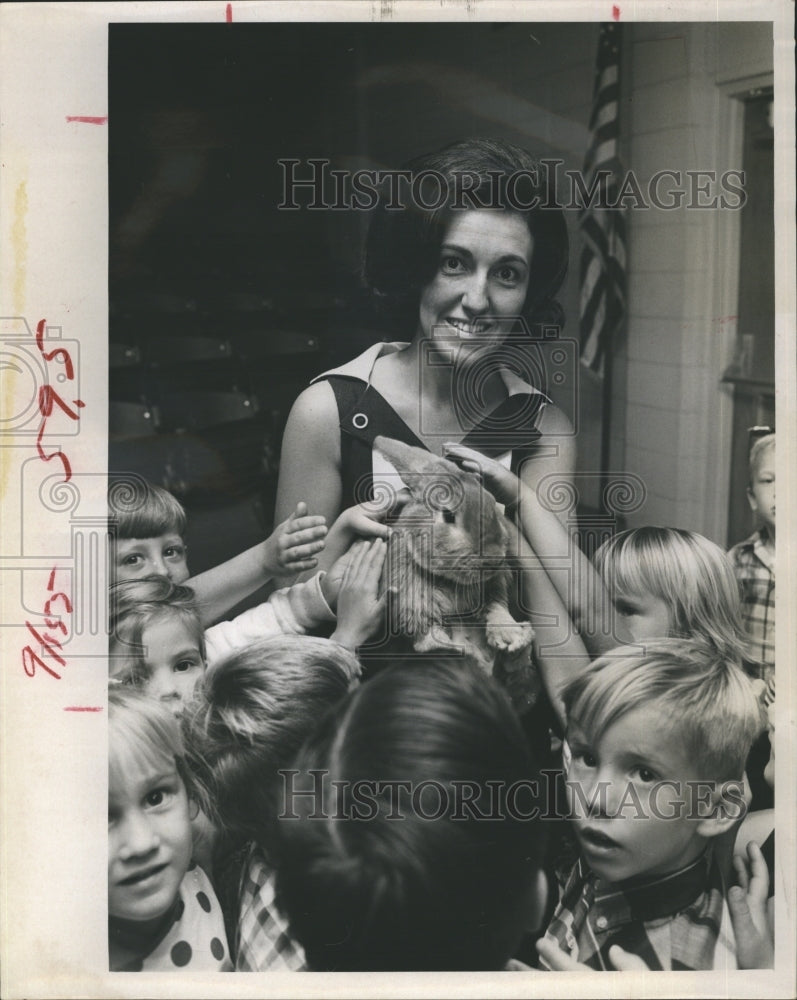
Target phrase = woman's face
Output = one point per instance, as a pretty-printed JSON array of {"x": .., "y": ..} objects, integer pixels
[{"x": 482, "y": 275}]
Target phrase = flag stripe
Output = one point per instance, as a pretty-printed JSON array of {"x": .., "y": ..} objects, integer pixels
[{"x": 603, "y": 257}]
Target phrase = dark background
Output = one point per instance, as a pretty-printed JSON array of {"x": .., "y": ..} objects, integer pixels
[{"x": 222, "y": 306}]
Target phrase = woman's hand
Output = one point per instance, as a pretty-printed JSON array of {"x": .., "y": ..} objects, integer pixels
[
  {"x": 360, "y": 607},
  {"x": 292, "y": 546},
  {"x": 503, "y": 484}
]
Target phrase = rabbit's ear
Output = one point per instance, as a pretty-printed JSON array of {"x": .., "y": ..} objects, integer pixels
[{"x": 407, "y": 459}]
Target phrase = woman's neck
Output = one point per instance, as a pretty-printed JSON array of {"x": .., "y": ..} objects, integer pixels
[{"x": 445, "y": 377}]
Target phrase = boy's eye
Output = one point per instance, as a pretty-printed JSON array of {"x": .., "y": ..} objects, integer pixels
[
  {"x": 131, "y": 560},
  {"x": 174, "y": 552},
  {"x": 646, "y": 775}
]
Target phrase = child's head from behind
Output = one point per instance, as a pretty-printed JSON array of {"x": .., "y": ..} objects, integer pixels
[
  {"x": 658, "y": 745},
  {"x": 147, "y": 527},
  {"x": 149, "y": 825},
  {"x": 250, "y": 716},
  {"x": 670, "y": 582},
  {"x": 761, "y": 491},
  {"x": 157, "y": 640},
  {"x": 422, "y": 857}
]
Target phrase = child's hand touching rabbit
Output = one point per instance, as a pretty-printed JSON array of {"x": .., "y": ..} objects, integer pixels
[
  {"x": 363, "y": 520},
  {"x": 360, "y": 606}
]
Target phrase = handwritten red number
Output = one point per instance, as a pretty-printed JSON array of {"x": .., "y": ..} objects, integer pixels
[
  {"x": 48, "y": 396},
  {"x": 53, "y": 454},
  {"x": 50, "y": 645},
  {"x": 55, "y": 597},
  {"x": 30, "y": 661},
  {"x": 61, "y": 352}
]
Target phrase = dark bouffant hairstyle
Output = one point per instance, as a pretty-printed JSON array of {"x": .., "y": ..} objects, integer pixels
[
  {"x": 418, "y": 845},
  {"x": 403, "y": 243}
]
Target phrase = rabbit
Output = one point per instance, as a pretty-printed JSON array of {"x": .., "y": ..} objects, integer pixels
[{"x": 448, "y": 561}]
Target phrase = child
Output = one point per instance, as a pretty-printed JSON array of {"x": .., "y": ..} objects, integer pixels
[
  {"x": 408, "y": 838},
  {"x": 157, "y": 640},
  {"x": 658, "y": 742},
  {"x": 147, "y": 527},
  {"x": 251, "y": 714},
  {"x": 660, "y": 581},
  {"x": 754, "y": 559},
  {"x": 671, "y": 582},
  {"x": 162, "y": 911},
  {"x": 158, "y": 643}
]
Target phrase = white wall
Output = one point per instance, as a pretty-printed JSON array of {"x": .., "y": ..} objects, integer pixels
[{"x": 682, "y": 269}]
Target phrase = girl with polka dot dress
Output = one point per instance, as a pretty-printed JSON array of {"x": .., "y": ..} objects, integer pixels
[{"x": 162, "y": 911}]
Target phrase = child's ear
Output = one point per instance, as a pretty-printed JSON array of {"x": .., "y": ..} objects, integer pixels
[
  {"x": 729, "y": 807},
  {"x": 752, "y": 500}
]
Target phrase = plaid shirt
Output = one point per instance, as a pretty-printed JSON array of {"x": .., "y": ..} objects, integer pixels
[
  {"x": 264, "y": 941},
  {"x": 754, "y": 566},
  {"x": 673, "y": 922}
]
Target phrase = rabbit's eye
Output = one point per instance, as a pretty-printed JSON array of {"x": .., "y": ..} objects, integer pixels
[{"x": 448, "y": 516}]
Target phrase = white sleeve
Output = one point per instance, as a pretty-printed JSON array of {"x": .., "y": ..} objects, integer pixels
[{"x": 292, "y": 610}]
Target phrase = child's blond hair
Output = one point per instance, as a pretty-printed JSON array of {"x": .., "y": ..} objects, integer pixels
[
  {"x": 708, "y": 701},
  {"x": 139, "y": 509},
  {"x": 142, "y": 732},
  {"x": 762, "y": 445},
  {"x": 692, "y": 575}
]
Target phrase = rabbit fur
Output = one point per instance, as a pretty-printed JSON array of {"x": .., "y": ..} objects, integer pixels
[{"x": 447, "y": 561}]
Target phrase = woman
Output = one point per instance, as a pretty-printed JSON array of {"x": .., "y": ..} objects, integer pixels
[{"x": 463, "y": 279}]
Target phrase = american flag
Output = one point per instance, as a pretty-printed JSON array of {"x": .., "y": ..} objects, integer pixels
[{"x": 602, "y": 266}]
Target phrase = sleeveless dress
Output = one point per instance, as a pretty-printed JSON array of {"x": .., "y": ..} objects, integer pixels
[{"x": 508, "y": 433}]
